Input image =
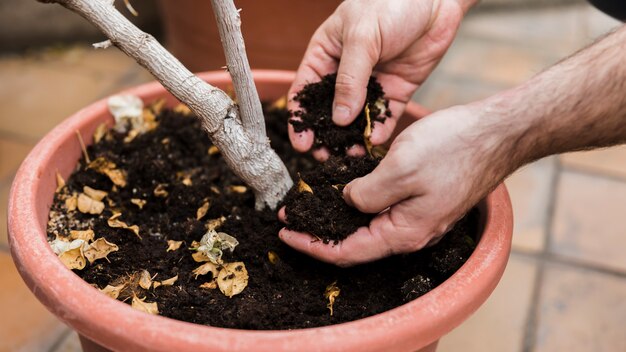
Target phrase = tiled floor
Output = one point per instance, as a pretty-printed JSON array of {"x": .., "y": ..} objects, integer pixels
[{"x": 565, "y": 286}]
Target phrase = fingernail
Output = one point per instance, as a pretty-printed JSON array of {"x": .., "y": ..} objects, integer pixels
[
  {"x": 341, "y": 114},
  {"x": 346, "y": 197}
]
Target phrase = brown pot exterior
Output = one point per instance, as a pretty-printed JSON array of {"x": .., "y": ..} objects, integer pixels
[
  {"x": 276, "y": 32},
  {"x": 115, "y": 325}
]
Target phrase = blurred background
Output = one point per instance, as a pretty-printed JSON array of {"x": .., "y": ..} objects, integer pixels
[{"x": 565, "y": 286}]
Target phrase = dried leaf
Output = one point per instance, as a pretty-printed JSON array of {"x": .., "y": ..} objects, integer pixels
[
  {"x": 173, "y": 245},
  {"x": 232, "y": 279},
  {"x": 73, "y": 258},
  {"x": 215, "y": 190},
  {"x": 116, "y": 223},
  {"x": 379, "y": 151},
  {"x": 168, "y": 282},
  {"x": 368, "y": 131},
  {"x": 160, "y": 190},
  {"x": 182, "y": 109},
  {"x": 71, "y": 203},
  {"x": 138, "y": 202},
  {"x": 131, "y": 135},
  {"x": 332, "y": 291},
  {"x": 108, "y": 168},
  {"x": 201, "y": 212},
  {"x": 304, "y": 187},
  {"x": 238, "y": 189},
  {"x": 94, "y": 193},
  {"x": 157, "y": 106},
  {"x": 146, "y": 307},
  {"x": 145, "y": 281},
  {"x": 205, "y": 269},
  {"x": 124, "y": 107},
  {"x": 214, "y": 243},
  {"x": 113, "y": 291},
  {"x": 99, "y": 249},
  {"x": 272, "y": 256},
  {"x": 200, "y": 257},
  {"x": 60, "y": 182},
  {"x": 100, "y": 132},
  {"x": 215, "y": 223},
  {"x": 87, "y": 205},
  {"x": 211, "y": 285},
  {"x": 213, "y": 150},
  {"x": 85, "y": 235},
  {"x": 280, "y": 103}
]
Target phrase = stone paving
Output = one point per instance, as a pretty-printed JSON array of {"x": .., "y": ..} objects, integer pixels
[{"x": 565, "y": 285}]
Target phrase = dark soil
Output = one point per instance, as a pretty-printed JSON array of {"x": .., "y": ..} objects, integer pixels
[
  {"x": 285, "y": 294},
  {"x": 316, "y": 100}
]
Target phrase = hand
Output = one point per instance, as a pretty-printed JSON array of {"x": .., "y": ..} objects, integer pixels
[
  {"x": 402, "y": 40},
  {"x": 435, "y": 171}
]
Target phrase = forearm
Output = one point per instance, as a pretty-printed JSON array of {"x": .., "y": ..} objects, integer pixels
[{"x": 580, "y": 103}]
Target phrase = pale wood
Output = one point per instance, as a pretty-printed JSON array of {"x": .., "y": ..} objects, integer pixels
[
  {"x": 229, "y": 25},
  {"x": 255, "y": 163}
]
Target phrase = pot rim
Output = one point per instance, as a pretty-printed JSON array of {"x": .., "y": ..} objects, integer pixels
[{"x": 118, "y": 326}]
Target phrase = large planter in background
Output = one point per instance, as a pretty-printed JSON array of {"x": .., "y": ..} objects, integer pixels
[{"x": 104, "y": 323}]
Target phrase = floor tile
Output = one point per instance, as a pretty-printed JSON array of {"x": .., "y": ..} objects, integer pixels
[
  {"x": 610, "y": 161},
  {"x": 26, "y": 325},
  {"x": 4, "y": 200},
  {"x": 589, "y": 223},
  {"x": 12, "y": 154},
  {"x": 530, "y": 189},
  {"x": 581, "y": 310},
  {"x": 499, "y": 324}
]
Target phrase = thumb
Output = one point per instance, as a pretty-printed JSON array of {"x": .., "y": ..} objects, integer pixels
[
  {"x": 378, "y": 190},
  {"x": 358, "y": 58}
]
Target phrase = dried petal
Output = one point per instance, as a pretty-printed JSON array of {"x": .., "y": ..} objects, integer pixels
[
  {"x": 87, "y": 205},
  {"x": 173, "y": 245},
  {"x": 368, "y": 130},
  {"x": 144, "y": 280},
  {"x": 60, "y": 182},
  {"x": 99, "y": 249},
  {"x": 215, "y": 190},
  {"x": 272, "y": 256},
  {"x": 200, "y": 257},
  {"x": 73, "y": 258},
  {"x": 215, "y": 223},
  {"x": 238, "y": 189},
  {"x": 205, "y": 269},
  {"x": 213, "y": 150},
  {"x": 108, "y": 168},
  {"x": 214, "y": 243},
  {"x": 100, "y": 132},
  {"x": 168, "y": 282},
  {"x": 332, "y": 291},
  {"x": 86, "y": 235},
  {"x": 94, "y": 193},
  {"x": 304, "y": 187},
  {"x": 140, "y": 304},
  {"x": 201, "y": 212},
  {"x": 211, "y": 285},
  {"x": 232, "y": 279},
  {"x": 138, "y": 202},
  {"x": 115, "y": 222},
  {"x": 113, "y": 291},
  {"x": 71, "y": 203},
  {"x": 124, "y": 107},
  {"x": 160, "y": 190}
]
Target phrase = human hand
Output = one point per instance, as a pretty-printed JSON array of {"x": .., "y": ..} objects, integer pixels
[
  {"x": 402, "y": 40},
  {"x": 434, "y": 172}
]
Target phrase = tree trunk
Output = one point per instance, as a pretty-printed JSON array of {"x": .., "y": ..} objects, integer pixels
[{"x": 253, "y": 161}]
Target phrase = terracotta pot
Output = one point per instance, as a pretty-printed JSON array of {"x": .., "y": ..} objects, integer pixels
[
  {"x": 276, "y": 32},
  {"x": 106, "y": 323}
]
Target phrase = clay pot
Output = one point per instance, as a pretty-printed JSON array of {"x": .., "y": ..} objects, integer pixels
[
  {"x": 276, "y": 32},
  {"x": 104, "y": 323}
]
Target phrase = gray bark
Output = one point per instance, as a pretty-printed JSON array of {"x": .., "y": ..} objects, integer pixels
[{"x": 255, "y": 163}]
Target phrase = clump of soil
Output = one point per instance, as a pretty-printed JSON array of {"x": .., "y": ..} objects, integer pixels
[
  {"x": 323, "y": 212},
  {"x": 316, "y": 100},
  {"x": 173, "y": 171}
]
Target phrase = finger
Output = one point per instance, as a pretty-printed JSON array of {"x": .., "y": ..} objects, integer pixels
[
  {"x": 356, "y": 150},
  {"x": 379, "y": 189},
  {"x": 321, "y": 154},
  {"x": 360, "y": 247},
  {"x": 359, "y": 55},
  {"x": 282, "y": 215},
  {"x": 301, "y": 141}
]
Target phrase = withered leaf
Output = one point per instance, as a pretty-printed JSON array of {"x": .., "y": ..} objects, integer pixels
[
  {"x": 280, "y": 103},
  {"x": 213, "y": 150},
  {"x": 94, "y": 193},
  {"x": 215, "y": 190},
  {"x": 157, "y": 106},
  {"x": 73, "y": 258},
  {"x": 182, "y": 109},
  {"x": 232, "y": 279},
  {"x": 272, "y": 257},
  {"x": 85, "y": 235},
  {"x": 60, "y": 182},
  {"x": 140, "y": 304},
  {"x": 200, "y": 257},
  {"x": 332, "y": 291},
  {"x": 100, "y": 132},
  {"x": 368, "y": 130},
  {"x": 213, "y": 244},
  {"x": 87, "y": 205},
  {"x": 115, "y": 222},
  {"x": 215, "y": 223},
  {"x": 173, "y": 245},
  {"x": 160, "y": 190},
  {"x": 205, "y": 269},
  {"x": 71, "y": 203},
  {"x": 113, "y": 291},
  {"x": 238, "y": 189},
  {"x": 108, "y": 168},
  {"x": 168, "y": 282},
  {"x": 99, "y": 249},
  {"x": 201, "y": 212},
  {"x": 138, "y": 202},
  {"x": 211, "y": 285},
  {"x": 145, "y": 281},
  {"x": 304, "y": 187}
]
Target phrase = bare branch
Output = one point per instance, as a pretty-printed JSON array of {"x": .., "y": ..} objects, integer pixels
[
  {"x": 229, "y": 24},
  {"x": 255, "y": 163}
]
